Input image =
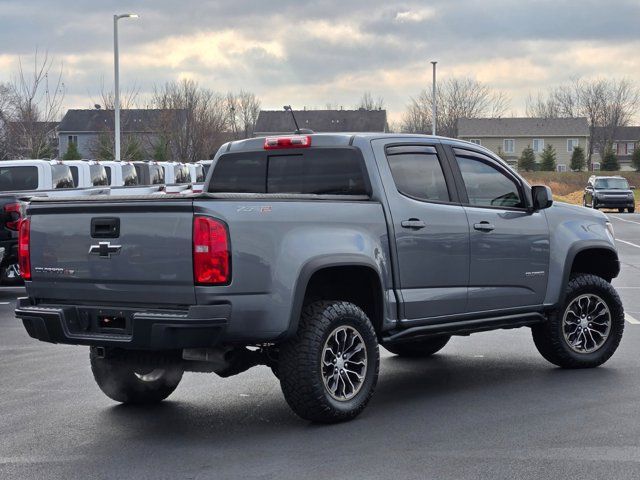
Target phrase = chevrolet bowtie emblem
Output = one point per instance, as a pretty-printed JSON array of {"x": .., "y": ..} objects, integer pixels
[{"x": 104, "y": 249}]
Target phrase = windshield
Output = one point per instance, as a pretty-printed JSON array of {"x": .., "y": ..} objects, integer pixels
[{"x": 612, "y": 183}]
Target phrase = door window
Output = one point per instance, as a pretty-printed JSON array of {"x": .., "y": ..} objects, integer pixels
[
  {"x": 419, "y": 175},
  {"x": 487, "y": 186}
]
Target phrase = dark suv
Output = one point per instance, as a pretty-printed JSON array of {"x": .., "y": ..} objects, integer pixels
[{"x": 609, "y": 192}]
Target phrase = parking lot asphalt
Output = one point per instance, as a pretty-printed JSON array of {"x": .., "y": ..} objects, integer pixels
[{"x": 487, "y": 407}]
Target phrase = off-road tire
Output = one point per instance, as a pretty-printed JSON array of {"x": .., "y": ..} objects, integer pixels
[
  {"x": 548, "y": 336},
  {"x": 300, "y": 360},
  {"x": 419, "y": 349},
  {"x": 118, "y": 380}
]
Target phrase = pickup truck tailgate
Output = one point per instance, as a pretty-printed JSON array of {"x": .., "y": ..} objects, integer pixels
[{"x": 124, "y": 252}]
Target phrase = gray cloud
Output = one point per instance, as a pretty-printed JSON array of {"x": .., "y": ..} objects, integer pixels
[{"x": 324, "y": 42}]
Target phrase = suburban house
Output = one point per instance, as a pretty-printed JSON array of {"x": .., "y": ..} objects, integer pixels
[
  {"x": 507, "y": 137},
  {"x": 85, "y": 128},
  {"x": 276, "y": 122},
  {"x": 624, "y": 141}
]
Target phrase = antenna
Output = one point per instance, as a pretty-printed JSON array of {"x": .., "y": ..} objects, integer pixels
[{"x": 287, "y": 108}]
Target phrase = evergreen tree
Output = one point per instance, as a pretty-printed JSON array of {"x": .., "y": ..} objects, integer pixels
[
  {"x": 635, "y": 159},
  {"x": 133, "y": 150},
  {"x": 161, "y": 150},
  {"x": 548, "y": 159},
  {"x": 527, "y": 161},
  {"x": 577, "y": 159},
  {"x": 72, "y": 152},
  {"x": 609, "y": 160}
]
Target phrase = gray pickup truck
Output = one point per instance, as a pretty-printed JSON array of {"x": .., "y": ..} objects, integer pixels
[{"x": 305, "y": 253}]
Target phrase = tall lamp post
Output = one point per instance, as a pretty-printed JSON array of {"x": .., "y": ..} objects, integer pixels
[
  {"x": 116, "y": 69},
  {"x": 433, "y": 101}
]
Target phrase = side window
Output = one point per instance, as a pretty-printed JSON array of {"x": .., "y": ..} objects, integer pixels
[
  {"x": 98, "y": 175},
  {"x": 74, "y": 174},
  {"x": 487, "y": 186},
  {"x": 419, "y": 175},
  {"x": 108, "y": 170}
]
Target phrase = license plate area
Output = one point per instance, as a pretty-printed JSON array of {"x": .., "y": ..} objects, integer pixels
[{"x": 107, "y": 321}]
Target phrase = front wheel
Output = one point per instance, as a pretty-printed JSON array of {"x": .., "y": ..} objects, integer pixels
[
  {"x": 621, "y": 210},
  {"x": 631, "y": 209},
  {"x": 586, "y": 330},
  {"x": 123, "y": 383},
  {"x": 329, "y": 369}
]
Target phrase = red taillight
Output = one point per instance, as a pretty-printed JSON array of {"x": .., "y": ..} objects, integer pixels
[
  {"x": 14, "y": 212},
  {"x": 211, "y": 256},
  {"x": 24, "y": 256},
  {"x": 292, "y": 141}
]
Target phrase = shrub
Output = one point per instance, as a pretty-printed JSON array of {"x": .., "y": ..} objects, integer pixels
[
  {"x": 635, "y": 159},
  {"x": 609, "y": 160},
  {"x": 527, "y": 160},
  {"x": 72, "y": 152},
  {"x": 548, "y": 159},
  {"x": 577, "y": 159}
]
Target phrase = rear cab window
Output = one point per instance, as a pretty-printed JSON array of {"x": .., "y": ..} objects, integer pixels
[
  {"x": 320, "y": 171},
  {"x": 18, "y": 178},
  {"x": 417, "y": 173},
  {"x": 129, "y": 175},
  {"x": 98, "y": 175},
  {"x": 61, "y": 177}
]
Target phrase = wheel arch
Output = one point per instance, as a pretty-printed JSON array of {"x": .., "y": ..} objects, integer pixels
[
  {"x": 329, "y": 276},
  {"x": 593, "y": 257}
]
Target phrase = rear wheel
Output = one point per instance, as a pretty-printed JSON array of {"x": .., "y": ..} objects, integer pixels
[
  {"x": 586, "y": 330},
  {"x": 329, "y": 369},
  {"x": 421, "y": 348},
  {"x": 621, "y": 210},
  {"x": 124, "y": 383}
]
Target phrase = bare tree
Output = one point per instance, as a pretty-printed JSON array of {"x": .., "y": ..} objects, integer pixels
[
  {"x": 455, "y": 98},
  {"x": 367, "y": 102},
  {"x": 128, "y": 97},
  {"x": 35, "y": 103},
  {"x": 5, "y": 115},
  {"x": 606, "y": 103},
  {"x": 196, "y": 119},
  {"x": 243, "y": 109}
]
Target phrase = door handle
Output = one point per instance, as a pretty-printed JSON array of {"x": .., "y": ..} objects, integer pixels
[
  {"x": 414, "y": 223},
  {"x": 484, "y": 226}
]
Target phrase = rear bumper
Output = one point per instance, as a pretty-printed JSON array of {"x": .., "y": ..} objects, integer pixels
[{"x": 146, "y": 329}]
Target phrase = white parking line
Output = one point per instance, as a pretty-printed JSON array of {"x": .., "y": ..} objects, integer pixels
[
  {"x": 630, "y": 319},
  {"x": 5, "y": 303},
  {"x": 623, "y": 219},
  {"x": 628, "y": 243}
]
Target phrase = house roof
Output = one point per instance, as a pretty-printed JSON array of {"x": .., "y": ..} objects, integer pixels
[
  {"x": 631, "y": 134},
  {"x": 131, "y": 120},
  {"x": 270, "y": 121},
  {"x": 523, "y": 127}
]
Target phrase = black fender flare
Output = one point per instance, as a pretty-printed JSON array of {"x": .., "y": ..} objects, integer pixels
[{"x": 315, "y": 265}]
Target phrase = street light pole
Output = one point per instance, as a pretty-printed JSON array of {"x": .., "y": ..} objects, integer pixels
[
  {"x": 116, "y": 71},
  {"x": 433, "y": 101}
]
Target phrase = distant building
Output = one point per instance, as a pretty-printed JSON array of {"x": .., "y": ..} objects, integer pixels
[
  {"x": 509, "y": 136},
  {"x": 85, "y": 127},
  {"x": 624, "y": 141},
  {"x": 277, "y": 122}
]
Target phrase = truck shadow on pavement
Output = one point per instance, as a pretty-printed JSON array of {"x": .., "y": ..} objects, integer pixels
[{"x": 408, "y": 391}]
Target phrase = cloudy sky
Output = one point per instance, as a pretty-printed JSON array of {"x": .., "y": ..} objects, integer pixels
[{"x": 310, "y": 53}]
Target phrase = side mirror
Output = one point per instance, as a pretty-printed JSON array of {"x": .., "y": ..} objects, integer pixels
[
  {"x": 632, "y": 187},
  {"x": 542, "y": 197}
]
